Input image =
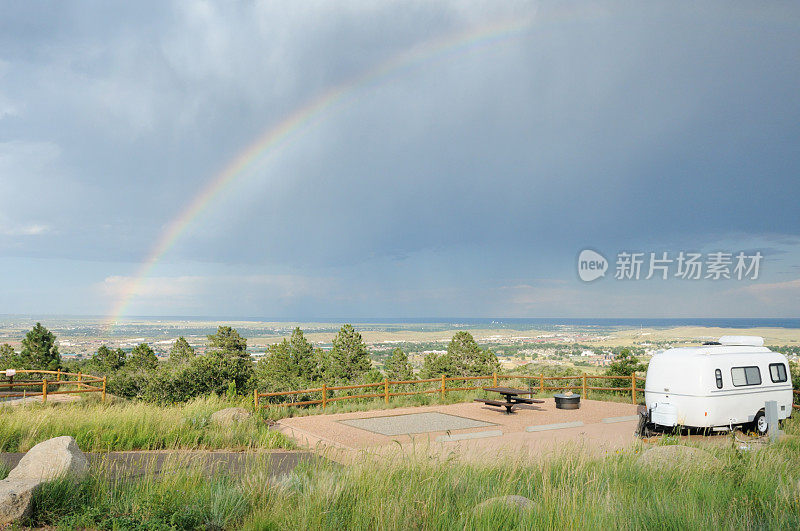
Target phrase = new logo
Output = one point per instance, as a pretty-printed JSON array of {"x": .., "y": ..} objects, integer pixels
[{"x": 591, "y": 265}]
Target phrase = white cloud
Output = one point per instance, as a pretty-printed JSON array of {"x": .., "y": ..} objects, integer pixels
[
  {"x": 33, "y": 229},
  {"x": 776, "y": 291}
]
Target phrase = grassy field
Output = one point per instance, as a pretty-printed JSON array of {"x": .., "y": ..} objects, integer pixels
[
  {"x": 129, "y": 425},
  {"x": 756, "y": 489}
]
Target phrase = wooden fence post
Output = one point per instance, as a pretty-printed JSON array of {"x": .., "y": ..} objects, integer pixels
[
  {"x": 584, "y": 385},
  {"x": 494, "y": 379},
  {"x": 633, "y": 388},
  {"x": 255, "y": 398},
  {"x": 79, "y": 376},
  {"x": 44, "y": 390},
  {"x": 58, "y": 375},
  {"x": 443, "y": 389},
  {"x": 541, "y": 382},
  {"x": 104, "y": 389},
  {"x": 324, "y": 395},
  {"x": 386, "y": 389}
]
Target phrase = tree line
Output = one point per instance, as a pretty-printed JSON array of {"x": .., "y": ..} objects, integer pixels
[{"x": 227, "y": 368}]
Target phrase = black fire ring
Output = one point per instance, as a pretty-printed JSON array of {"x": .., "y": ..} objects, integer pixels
[{"x": 567, "y": 401}]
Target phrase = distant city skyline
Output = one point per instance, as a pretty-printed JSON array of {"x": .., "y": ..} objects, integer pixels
[{"x": 302, "y": 161}]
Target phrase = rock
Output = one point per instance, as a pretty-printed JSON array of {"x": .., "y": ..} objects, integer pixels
[
  {"x": 45, "y": 461},
  {"x": 51, "y": 459},
  {"x": 230, "y": 415},
  {"x": 15, "y": 499},
  {"x": 511, "y": 501},
  {"x": 673, "y": 456}
]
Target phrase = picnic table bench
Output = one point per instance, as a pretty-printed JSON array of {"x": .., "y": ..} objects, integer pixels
[{"x": 511, "y": 395}]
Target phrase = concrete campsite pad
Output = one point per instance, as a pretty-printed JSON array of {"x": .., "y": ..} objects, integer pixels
[
  {"x": 469, "y": 428},
  {"x": 426, "y": 422}
]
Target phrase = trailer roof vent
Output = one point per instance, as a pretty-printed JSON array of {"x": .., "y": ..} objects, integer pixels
[{"x": 750, "y": 341}]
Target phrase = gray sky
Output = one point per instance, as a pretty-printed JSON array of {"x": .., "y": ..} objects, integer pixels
[{"x": 464, "y": 184}]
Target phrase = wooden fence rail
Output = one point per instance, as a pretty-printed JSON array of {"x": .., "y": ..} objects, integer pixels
[
  {"x": 80, "y": 383},
  {"x": 537, "y": 384}
]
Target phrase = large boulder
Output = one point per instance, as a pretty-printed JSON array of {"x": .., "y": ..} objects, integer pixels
[
  {"x": 15, "y": 499},
  {"x": 230, "y": 415},
  {"x": 675, "y": 456},
  {"x": 47, "y": 460},
  {"x": 51, "y": 459},
  {"x": 512, "y": 501}
]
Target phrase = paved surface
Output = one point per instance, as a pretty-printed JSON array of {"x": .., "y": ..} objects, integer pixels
[
  {"x": 135, "y": 464},
  {"x": 584, "y": 427},
  {"x": 559, "y": 426},
  {"x": 415, "y": 423},
  {"x": 470, "y": 435}
]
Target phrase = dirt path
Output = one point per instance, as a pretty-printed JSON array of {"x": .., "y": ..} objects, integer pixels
[{"x": 139, "y": 463}]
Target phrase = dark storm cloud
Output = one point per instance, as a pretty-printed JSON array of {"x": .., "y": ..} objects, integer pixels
[
  {"x": 612, "y": 125},
  {"x": 630, "y": 129}
]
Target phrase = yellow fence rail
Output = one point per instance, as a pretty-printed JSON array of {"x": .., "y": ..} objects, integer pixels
[
  {"x": 537, "y": 383},
  {"x": 75, "y": 382}
]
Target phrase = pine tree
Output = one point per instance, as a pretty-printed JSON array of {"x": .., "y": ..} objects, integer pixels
[
  {"x": 39, "y": 349},
  {"x": 397, "y": 366},
  {"x": 9, "y": 359},
  {"x": 228, "y": 361},
  {"x": 142, "y": 357},
  {"x": 228, "y": 341},
  {"x": 181, "y": 351},
  {"x": 107, "y": 359},
  {"x": 463, "y": 358},
  {"x": 349, "y": 357},
  {"x": 466, "y": 358},
  {"x": 274, "y": 372},
  {"x": 301, "y": 357}
]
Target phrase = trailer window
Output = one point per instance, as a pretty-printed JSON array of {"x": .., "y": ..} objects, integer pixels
[
  {"x": 718, "y": 376},
  {"x": 745, "y": 376},
  {"x": 777, "y": 372}
]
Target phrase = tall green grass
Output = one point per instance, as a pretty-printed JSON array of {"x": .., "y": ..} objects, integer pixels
[
  {"x": 177, "y": 499},
  {"x": 124, "y": 425},
  {"x": 755, "y": 489}
]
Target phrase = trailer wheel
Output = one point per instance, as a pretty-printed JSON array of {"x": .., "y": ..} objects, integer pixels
[
  {"x": 760, "y": 423},
  {"x": 642, "y": 428}
]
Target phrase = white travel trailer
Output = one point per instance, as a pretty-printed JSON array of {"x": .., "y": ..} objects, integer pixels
[{"x": 718, "y": 385}]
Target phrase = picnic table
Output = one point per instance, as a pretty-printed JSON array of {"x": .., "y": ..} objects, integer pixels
[{"x": 511, "y": 395}]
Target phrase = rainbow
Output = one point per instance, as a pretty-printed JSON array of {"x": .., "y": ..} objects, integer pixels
[{"x": 300, "y": 119}]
